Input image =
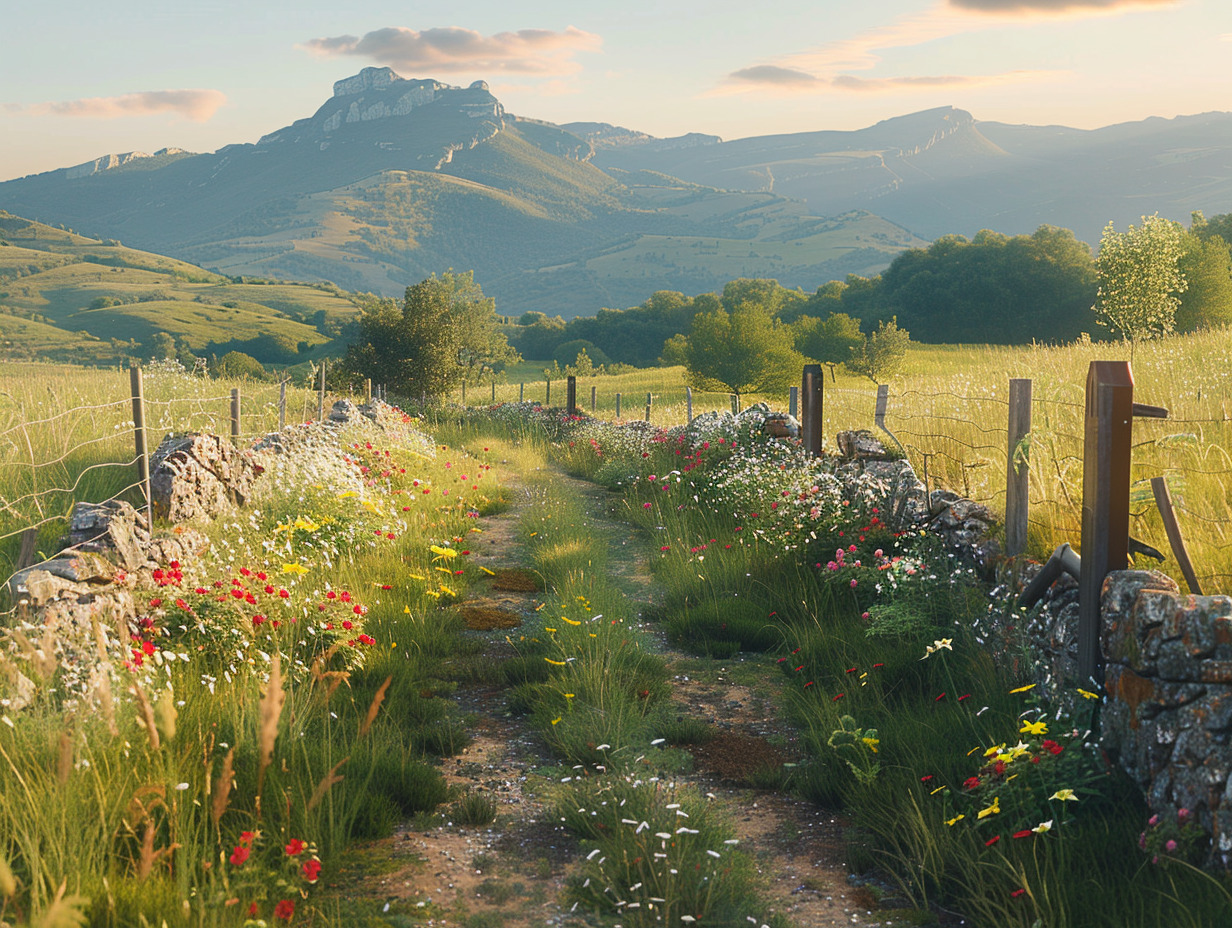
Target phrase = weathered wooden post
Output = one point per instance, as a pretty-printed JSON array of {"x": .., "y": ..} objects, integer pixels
[
  {"x": 367, "y": 391},
  {"x": 1107, "y": 446},
  {"x": 143, "y": 455},
  {"x": 617, "y": 405},
  {"x": 282, "y": 405},
  {"x": 464, "y": 393},
  {"x": 571, "y": 395},
  {"x": 793, "y": 395},
  {"x": 811, "y": 407},
  {"x": 547, "y": 396},
  {"x": 494, "y": 392},
  {"x": 593, "y": 399},
  {"x": 321, "y": 392},
  {"x": 235, "y": 416},
  {"x": 735, "y": 403},
  {"x": 688, "y": 403},
  {"x": 521, "y": 392},
  {"x": 1163, "y": 501},
  {"x": 883, "y": 402},
  {"x": 1017, "y": 467},
  {"x": 648, "y": 401}
]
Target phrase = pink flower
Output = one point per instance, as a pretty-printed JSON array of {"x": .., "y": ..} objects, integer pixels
[{"x": 1170, "y": 846}]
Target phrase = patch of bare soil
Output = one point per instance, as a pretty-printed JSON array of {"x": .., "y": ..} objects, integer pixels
[{"x": 482, "y": 618}]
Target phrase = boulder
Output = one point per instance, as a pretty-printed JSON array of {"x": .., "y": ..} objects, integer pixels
[
  {"x": 198, "y": 475},
  {"x": 862, "y": 445},
  {"x": 113, "y": 528}
]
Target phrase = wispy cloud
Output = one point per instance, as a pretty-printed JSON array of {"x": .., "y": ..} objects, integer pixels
[
  {"x": 827, "y": 68},
  {"x": 196, "y": 105},
  {"x": 1034, "y": 7},
  {"x": 451, "y": 48}
]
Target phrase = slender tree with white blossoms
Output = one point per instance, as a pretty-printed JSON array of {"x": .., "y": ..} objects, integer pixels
[{"x": 1140, "y": 279}]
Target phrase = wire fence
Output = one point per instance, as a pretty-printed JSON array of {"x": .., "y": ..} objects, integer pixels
[{"x": 55, "y": 452}]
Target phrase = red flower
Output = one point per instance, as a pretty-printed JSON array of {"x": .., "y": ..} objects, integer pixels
[
  {"x": 311, "y": 870},
  {"x": 991, "y": 841},
  {"x": 284, "y": 594},
  {"x": 252, "y": 910},
  {"x": 1016, "y": 893},
  {"x": 285, "y": 909},
  {"x": 239, "y": 855},
  {"x": 295, "y": 847},
  {"x": 971, "y": 782},
  {"x": 148, "y": 647},
  {"x": 155, "y": 603},
  {"x": 246, "y": 838},
  {"x": 258, "y": 619},
  {"x": 1025, "y": 833}
]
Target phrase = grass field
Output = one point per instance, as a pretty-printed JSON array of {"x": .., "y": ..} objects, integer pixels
[{"x": 949, "y": 407}]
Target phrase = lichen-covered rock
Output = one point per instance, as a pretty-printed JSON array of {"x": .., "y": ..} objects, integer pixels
[
  {"x": 198, "y": 476},
  {"x": 113, "y": 528},
  {"x": 862, "y": 445}
]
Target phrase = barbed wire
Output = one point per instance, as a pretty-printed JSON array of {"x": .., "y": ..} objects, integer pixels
[
  {"x": 908, "y": 417},
  {"x": 41, "y": 493},
  {"x": 68, "y": 453},
  {"x": 961, "y": 396}
]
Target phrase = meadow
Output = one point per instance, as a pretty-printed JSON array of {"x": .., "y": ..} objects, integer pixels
[{"x": 282, "y": 699}]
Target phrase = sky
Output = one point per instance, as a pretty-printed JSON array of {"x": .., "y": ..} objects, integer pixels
[{"x": 82, "y": 79}]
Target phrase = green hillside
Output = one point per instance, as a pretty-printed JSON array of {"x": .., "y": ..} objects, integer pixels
[{"x": 66, "y": 296}]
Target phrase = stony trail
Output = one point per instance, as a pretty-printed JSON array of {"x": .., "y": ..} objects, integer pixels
[{"x": 512, "y": 873}]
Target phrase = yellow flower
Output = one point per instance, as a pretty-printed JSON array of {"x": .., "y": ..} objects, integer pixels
[
  {"x": 407, "y": 610},
  {"x": 997, "y": 750},
  {"x": 955, "y": 820},
  {"x": 347, "y": 494},
  {"x": 444, "y": 570},
  {"x": 1034, "y": 728},
  {"x": 432, "y": 593},
  {"x": 294, "y": 569},
  {"x": 1043, "y": 827},
  {"x": 546, "y": 629},
  {"x": 490, "y": 573},
  {"x": 1087, "y": 694},
  {"x": 993, "y": 809},
  {"x": 555, "y": 663},
  {"x": 557, "y": 719},
  {"x": 445, "y": 589},
  {"x": 306, "y": 525},
  {"x": 568, "y": 696},
  {"x": 871, "y": 743},
  {"x": 416, "y": 576},
  {"x": 939, "y": 644},
  {"x": 1065, "y": 795},
  {"x": 570, "y": 621},
  {"x": 440, "y": 552},
  {"x": 1023, "y": 689}
]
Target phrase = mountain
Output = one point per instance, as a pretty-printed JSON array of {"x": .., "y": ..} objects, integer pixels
[
  {"x": 393, "y": 179},
  {"x": 942, "y": 171},
  {"x": 67, "y": 297}
]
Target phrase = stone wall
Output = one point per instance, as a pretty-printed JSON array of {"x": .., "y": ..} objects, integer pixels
[{"x": 1168, "y": 715}]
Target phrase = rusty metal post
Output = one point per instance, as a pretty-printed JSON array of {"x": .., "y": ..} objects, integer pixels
[
  {"x": 1107, "y": 444},
  {"x": 1017, "y": 470},
  {"x": 811, "y": 401},
  {"x": 571, "y": 395}
]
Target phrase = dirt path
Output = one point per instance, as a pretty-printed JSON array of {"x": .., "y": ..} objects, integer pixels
[{"x": 512, "y": 873}]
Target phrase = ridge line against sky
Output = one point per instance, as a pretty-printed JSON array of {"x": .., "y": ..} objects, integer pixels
[{"x": 73, "y": 88}]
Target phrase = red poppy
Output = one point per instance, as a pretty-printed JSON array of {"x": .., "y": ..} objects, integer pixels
[
  {"x": 295, "y": 847},
  {"x": 311, "y": 870},
  {"x": 285, "y": 909},
  {"x": 239, "y": 855}
]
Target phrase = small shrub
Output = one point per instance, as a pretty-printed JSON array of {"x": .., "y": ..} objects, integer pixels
[{"x": 474, "y": 809}]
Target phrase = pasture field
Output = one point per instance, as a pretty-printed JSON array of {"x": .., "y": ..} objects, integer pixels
[{"x": 948, "y": 409}]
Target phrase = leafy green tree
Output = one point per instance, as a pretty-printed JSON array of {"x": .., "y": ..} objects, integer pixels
[
  {"x": 770, "y": 295},
  {"x": 444, "y": 332},
  {"x": 744, "y": 351},
  {"x": 1206, "y": 264},
  {"x": 881, "y": 355},
  {"x": 829, "y": 341},
  {"x": 235, "y": 365},
  {"x": 566, "y": 355},
  {"x": 1140, "y": 279},
  {"x": 160, "y": 345}
]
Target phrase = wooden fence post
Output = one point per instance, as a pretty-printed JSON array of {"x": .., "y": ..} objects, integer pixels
[
  {"x": 735, "y": 403},
  {"x": 648, "y": 400},
  {"x": 811, "y": 408},
  {"x": 793, "y": 405},
  {"x": 688, "y": 403},
  {"x": 617, "y": 405},
  {"x": 493, "y": 391},
  {"x": 521, "y": 392},
  {"x": 143, "y": 455},
  {"x": 1163, "y": 501},
  {"x": 547, "y": 396},
  {"x": 464, "y": 393},
  {"x": 367, "y": 391},
  {"x": 1107, "y": 447},
  {"x": 571, "y": 395},
  {"x": 321, "y": 393},
  {"x": 593, "y": 397},
  {"x": 282, "y": 405},
  {"x": 1017, "y": 467},
  {"x": 235, "y": 416}
]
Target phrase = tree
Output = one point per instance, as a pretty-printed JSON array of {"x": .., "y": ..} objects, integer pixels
[
  {"x": 235, "y": 365},
  {"x": 744, "y": 351},
  {"x": 1206, "y": 262},
  {"x": 444, "y": 332},
  {"x": 882, "y": 353},
  {"x": 830, "y": 341},
  {"x": 1140, "y": 279}
]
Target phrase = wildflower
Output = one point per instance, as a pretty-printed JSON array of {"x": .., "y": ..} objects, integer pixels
[
  {"x": 294, "y": 569},
  {"x": 1065, "y": 795},
  {"x": 1034, "y": 728},
  {"x": 1170, "y": 846},
  {"x": 1023, "y": 689},
  {"x": 1087, "y": 694},
  {"x": 285, "y": 909},
  {"x": 1025, "y": 833},
  {"x": 1043, "y": 827},
  {"x": 955, "y": 820},
  {"x": 993, "y": 809},
  {"x": 991, "y": 841},
  {"x": 239, "y": 855},
  {"x": 939, "y": 644},
  {"x": 311, "y": 870},
  {"x": 295, "y": 847}
]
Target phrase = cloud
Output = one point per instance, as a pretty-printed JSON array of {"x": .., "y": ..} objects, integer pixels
[
  {"x": 775, "y": 76},
  {"x": 196, "y": 105},
  {"x": 451, "y": 48},
  {"x": 1055, "y": 6},
  {"x": 789, "y": 80}
]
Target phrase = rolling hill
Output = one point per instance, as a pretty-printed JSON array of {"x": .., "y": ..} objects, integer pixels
[
  {"x": 392, "y": 179},
  {"x": 67, "y": 297}
]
